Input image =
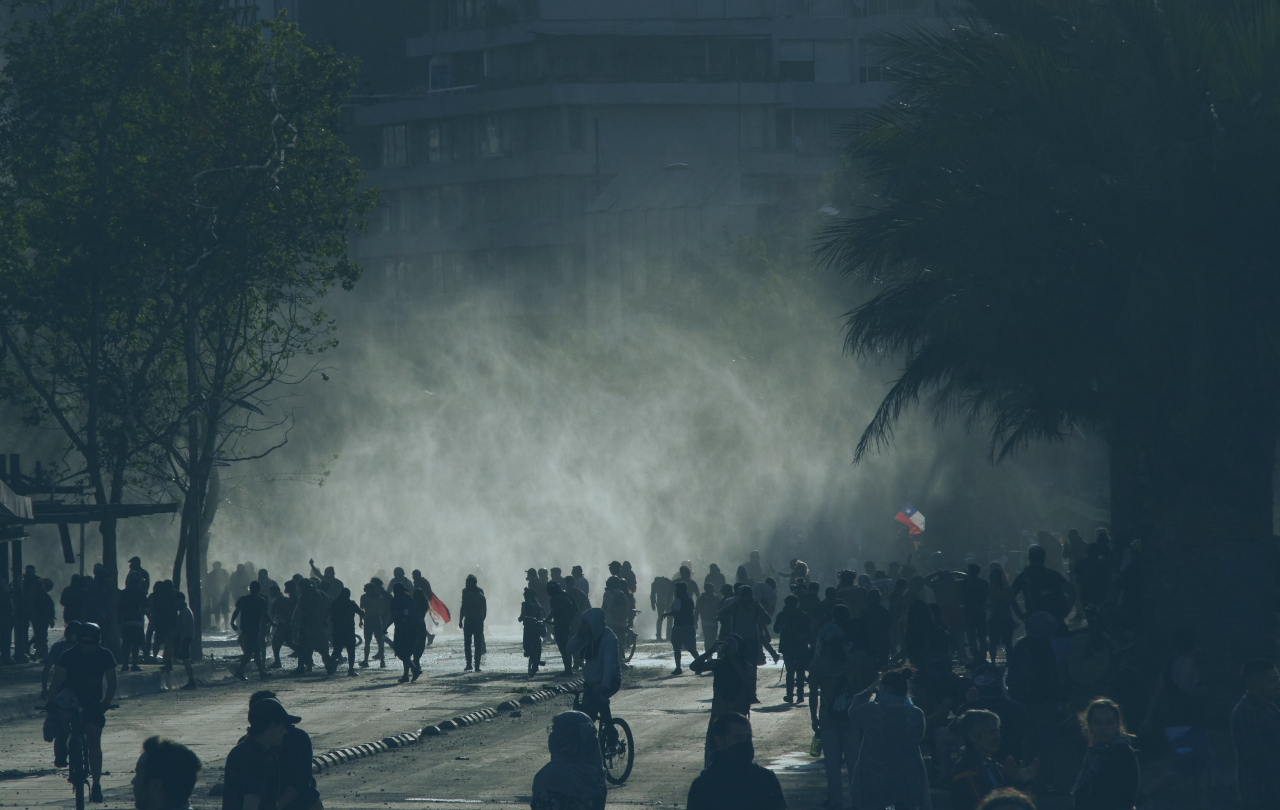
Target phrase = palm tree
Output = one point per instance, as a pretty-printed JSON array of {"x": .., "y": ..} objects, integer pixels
[{"x": 1076, "y": 224}]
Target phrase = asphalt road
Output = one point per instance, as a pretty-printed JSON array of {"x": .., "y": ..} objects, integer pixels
[{"x": 492, "y": 763}]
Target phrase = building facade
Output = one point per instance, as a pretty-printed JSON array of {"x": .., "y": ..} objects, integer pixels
[{"x": 570, "y": 152}]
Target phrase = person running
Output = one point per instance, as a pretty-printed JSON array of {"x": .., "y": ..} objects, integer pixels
[
  {"x": 342, "y": 618},
  {"x": 564, "y": 622},
  {"x": 165, "y": 775},
  {"x": 471, "y": 616},
  {"x": 310, "y": 618},
  {"x": 283, "y": 606},
  {"x": 733, "y": 779},
  {"x": 251, "y": 611},
  {"x": 184, "y": 633},
  {"x": 574, "y": 779},
  {"x": 683, "y": 633},
  {"x": 533, "y": 620},
  {"x": 404, "y": 615},
  {"x": 420, "y": 645},
  {"x": 377, "y": 608},
  {"x": 1109, "y": 776},
  {"x": 81, "y": 670},
  {"x": 399, "y": 577},
  {"x": 421, "y": 583},
  {"x": 251, "y": 775},
  {"x": 601, "y": 674},
  {"x": 795, "y": 640},
  {"x": 1255, "y": 731}
]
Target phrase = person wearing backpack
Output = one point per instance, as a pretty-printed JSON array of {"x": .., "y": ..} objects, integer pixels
[{"x": 831, "y": 680}]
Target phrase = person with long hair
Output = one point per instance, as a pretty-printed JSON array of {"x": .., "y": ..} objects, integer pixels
[
  {"x": 1109, "y": 777},
  {"x": 890, "y": 769}
]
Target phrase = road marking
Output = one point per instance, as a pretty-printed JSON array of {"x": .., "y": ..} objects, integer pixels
[{"x": 447, "y": 801}]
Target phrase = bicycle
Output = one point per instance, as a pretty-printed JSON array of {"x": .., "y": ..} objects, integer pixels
[
  {"x": 78, "y": 770},
  {"x": 617, "y": 746},
  {"x": 629, "y": 639}
]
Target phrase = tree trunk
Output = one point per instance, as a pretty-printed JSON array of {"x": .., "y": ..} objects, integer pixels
[
  {"x": 110, "y": 625},
  {"x": 1209, "y": 563}
]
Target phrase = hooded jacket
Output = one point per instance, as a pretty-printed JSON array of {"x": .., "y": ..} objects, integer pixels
[{"x": 601, "y": 669}]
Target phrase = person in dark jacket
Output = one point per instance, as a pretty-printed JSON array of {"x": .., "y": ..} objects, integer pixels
[
  {"x": 795, "y": 635},
  {"x": 564, "y": 622},
  {"x": 532, "y": 617},
  {"x": 977, "y": 773},
  {"x": 471, "y": 618},
  {"x": 342, "y": 621},
  {"x": 1109, "y": 777},
  {"x": 293, "y": 759},
  {"x": 574, "y": 779},
  {"x": 42, "y": 614},
  {"x": 407, "y": 619},
  {"x": 733, "y": 779}
]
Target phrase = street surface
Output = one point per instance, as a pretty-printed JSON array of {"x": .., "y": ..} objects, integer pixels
[{"x": 486, "y": 765}]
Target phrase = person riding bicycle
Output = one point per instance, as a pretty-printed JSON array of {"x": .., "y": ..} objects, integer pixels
[
  {"x": 601, "y": 673},
  {"x": 80, "y": 670}
]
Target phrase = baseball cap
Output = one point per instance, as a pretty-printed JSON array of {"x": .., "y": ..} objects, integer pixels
[
  {"x": 267, "y": 711},
  {"x": 135, "y": 559}
]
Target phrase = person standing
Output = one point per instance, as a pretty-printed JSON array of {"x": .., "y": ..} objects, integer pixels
[
  {"x": 795, "y": 641},
  {"x": 832, "y": 676},
  {"x": 708, "y": 607},
  {"x": 216, "y": 585},
  {"x": 137, "y": 575},
  {"x": 342, "y": 619},
  {"x": 564, "y": 622},
  {"x": 661, "y": 593},
  {"x": 471, "y": 616},
  {"x": 42, "y": 614},
  {"x": 1255, "y": 731},
  {"x": 131, "y": 610},
  {"x": 1109, "y": 776},
  {"x": 404, "y": 615},
  {"x": 532, "y": 619},
  {"x": 184, "y": 632},
  {"x": 890, "y": 770},
  {"x": 715, "y": 577},
  {"x": 580, "y": 581},
  {"x": 251, "y": 610},
  {"x": 1042, "y": 589}
]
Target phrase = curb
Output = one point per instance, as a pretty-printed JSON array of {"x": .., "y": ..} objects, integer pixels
[{"x": 330, "y": 759}]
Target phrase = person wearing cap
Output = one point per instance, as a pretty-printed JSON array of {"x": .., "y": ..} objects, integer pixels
[
  {"x": 137, "y": 575},
  {"x": 252, "y": 772},
  {"x": 297, "y": 785},
  {"x": 164, "y": 776},
  {"x": 81, "y": 669}
]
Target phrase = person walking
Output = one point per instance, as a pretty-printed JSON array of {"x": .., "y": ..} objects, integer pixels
[
  {"x": 404, "y": 615},
  {"x": 707, "y": 607},
  {"x": 377, "y": 608},
  {"x": 661, "y": 593},
  {"x": 471, "y": 616},
  {"x": 732, "y": 684},
  {"x": 684, "y": 630},
  {"x": 1255, "y": 731},
  {"x": 795, "y": 642},
  {"x": 564, "y": 622},
  {"x": 184, "y": 633},
  {"x": 131, "y": 610},
  {"x": 1109, "y": 776},
  {"x": 342, "y": 621},
  {"x": 574, "y": 779},
  {"x": 890, "y": 769},
  {"x": 831, "y": 678}
]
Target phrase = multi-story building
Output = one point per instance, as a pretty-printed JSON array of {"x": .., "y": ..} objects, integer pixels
[{"x": 571, "y": 151}]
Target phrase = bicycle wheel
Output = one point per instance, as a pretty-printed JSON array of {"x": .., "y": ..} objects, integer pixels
[
  {"x": 78, "y": 770},
  {"x": 619, "y": 753},
  {"x": 629, "y": 647}
]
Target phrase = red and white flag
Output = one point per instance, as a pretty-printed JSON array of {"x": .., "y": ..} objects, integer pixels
[{"x": 913, "y": 520}]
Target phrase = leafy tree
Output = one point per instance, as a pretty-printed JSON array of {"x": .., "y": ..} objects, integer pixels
[
  {"x": 1074, "y": 227},
  {"x": 176, "y": 203}
]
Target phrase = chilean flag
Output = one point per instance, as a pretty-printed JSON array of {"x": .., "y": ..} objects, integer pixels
[
  {"x": 913, "y": 520},
  {"x": 439, "y": 613}
]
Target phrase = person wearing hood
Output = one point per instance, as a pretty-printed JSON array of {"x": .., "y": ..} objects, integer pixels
[
  {"x": 574, "y": 779},
  {"x": 601, "y": 674},
  {"x": 733, "y": 779}
]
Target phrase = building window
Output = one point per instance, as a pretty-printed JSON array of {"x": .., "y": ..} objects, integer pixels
[
  {"x": 395, "y": 145},
  {"x": 871, "y": 67},
  {"x": 434, "y": 142},
  {"x": 795, "y": 71},
  {"x": 784, "y": 130},
  {"x": 490, "y": 134}
]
